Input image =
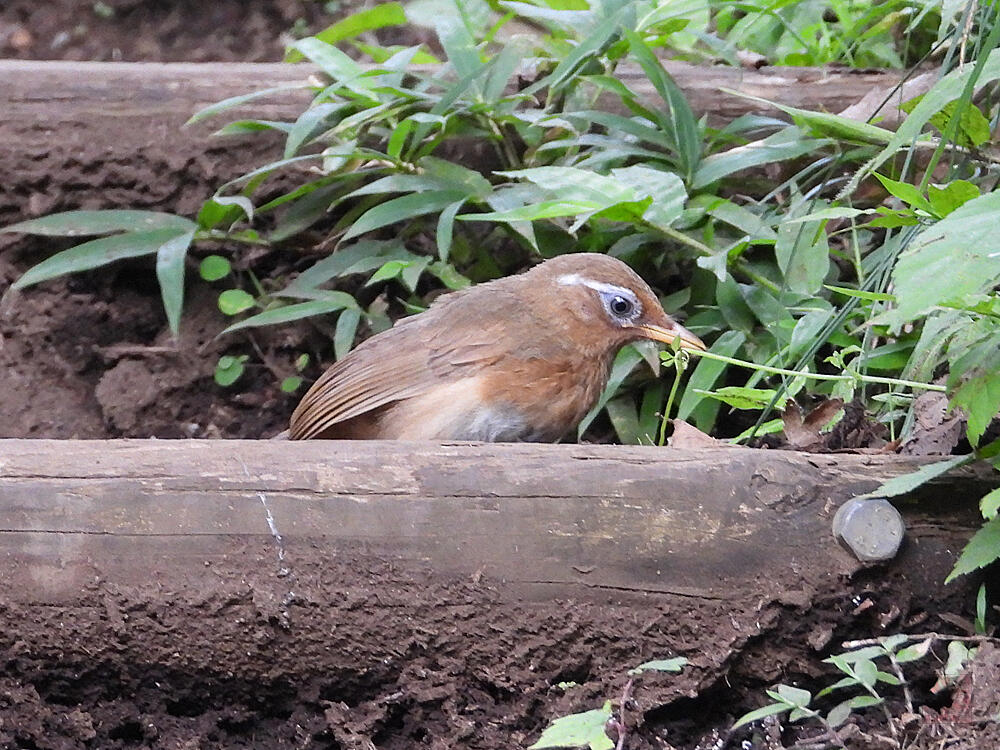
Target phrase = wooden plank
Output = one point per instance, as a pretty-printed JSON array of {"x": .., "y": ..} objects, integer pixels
[
  {"x": 108, "y": 135},
  {"x": 554, "y": 520}
]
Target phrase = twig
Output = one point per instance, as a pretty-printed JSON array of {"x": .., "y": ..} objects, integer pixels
[
  {"x": 898, "y": 671},
  {"x": 620, "y": 723}
]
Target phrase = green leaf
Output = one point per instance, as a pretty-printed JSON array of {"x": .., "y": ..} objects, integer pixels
[
  {"x": 665, "y": 188},
  {"x": 334, "y": 63},
  {"x": 795, "y": 696},
  {"x": 908, "y": 482},
  {"x": 706, "y": 373},
  {"x": 229, "y": 369},
  {"x": 361, "y": 257},
  {"x": 582, "y": 53},
  {"x": 332, "y": 302},
  {"x": 445, "y": 228},
  {"x": 974, "y": 377},
  {"x": 803, "y": 256},
  {"x": 744, "y": 398},
  {"x": 447, "y": 275},
  {"x": 402, "y": 209},
  {"x": 345, "y": 332},
  {"x": 84, "y": 223},
  {"x": 235, "y": 101},
  {"x": 214, "y": 267},
  {"x": 914, "y": 652},
  {"x": 98, "y": 253},
  {"x": 761, "y": 713},
  {"x": 788, "y": 143},
  {"x": 578, "y": 730},
  {"x": 973, "y": 127},
  {"x": 544, "y": 210},
  {"x": 661, "y": 665},
  {"x": 459, "y": 46},
  {"x": 170, "y": 273},
  {"x": 309, "y": 124},
  {"x": 771, "y": 427},
  {"x": 907, "y": 193},
  {"x": 835, "y": 212},
  {"x": 982, "y": 549},
  {"x": 291, "y": 384},
  {"x": 946, "y": 199},
  {"x": 947, "y": 89},
  {"x": 824, "y": 124},
  {"x": 378, "y": 17},
  {"x": 990, "y": 504},
  {"x": 306, "y": 211},
  {"x": 861, "y": 294},
  {"x": 684, "y": 130},
  {"x": 235, "y": 301}
]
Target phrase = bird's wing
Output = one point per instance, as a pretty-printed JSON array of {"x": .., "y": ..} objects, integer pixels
[{"x": 405, "y": 361}]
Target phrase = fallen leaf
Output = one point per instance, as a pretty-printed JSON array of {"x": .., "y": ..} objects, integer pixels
[
  {"x": 689, "y": 437},
  {"x": 936, "y": 429},
  {"x": 803, "y": 433}
]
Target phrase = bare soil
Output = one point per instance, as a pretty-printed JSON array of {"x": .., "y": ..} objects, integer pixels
[
  {"x": 359, "y": 654},
  {"x": 152, "y": 30}
]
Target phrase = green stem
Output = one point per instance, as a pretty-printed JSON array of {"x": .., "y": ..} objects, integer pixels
[
  {"x": 818, "y": 376},
  {"x": 680, "y": 364}
]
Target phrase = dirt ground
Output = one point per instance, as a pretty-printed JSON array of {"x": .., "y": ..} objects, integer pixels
[
  {"x": 356, "y": 653},
  {"x": 152, "y": 30},
  {"x": 382, "y": 659}
]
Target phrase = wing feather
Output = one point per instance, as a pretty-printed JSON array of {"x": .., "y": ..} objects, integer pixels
[{"x": 406, "y": 361}]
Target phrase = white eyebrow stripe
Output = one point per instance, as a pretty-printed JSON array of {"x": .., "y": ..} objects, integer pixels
[{"x": 575, "y": 279}]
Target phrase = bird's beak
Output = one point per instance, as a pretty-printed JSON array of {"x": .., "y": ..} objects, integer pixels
[{"x": 669, "y": 334}]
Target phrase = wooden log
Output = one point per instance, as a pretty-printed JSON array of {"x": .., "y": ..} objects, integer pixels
[
  {"x": 340, "y": 586},
  {"x": 563, "y": 520},
  {"x": 109, "y": 135}
]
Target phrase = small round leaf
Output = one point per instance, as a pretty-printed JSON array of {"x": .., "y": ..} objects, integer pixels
[
  {"x": 214, "y": 267},
  {"x": 235, "y": 301},
  {"x": 228, "y": 370},
  {"x": 291, "y": 384}
]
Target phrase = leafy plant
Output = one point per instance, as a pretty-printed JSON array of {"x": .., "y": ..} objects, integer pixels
[
  {"x": 588, "y": 729},
  {"x": 822, "y": 293},
  {"x": 869, "y": 668}
]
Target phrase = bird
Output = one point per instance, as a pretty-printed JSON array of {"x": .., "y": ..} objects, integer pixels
[{"x": 519, "y": 359}]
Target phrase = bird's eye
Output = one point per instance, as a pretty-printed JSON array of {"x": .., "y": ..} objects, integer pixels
[{"x": 620, "y": 306}]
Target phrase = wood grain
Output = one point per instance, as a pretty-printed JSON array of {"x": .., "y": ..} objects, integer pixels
[
  {"x": 548, "y": 520},
  {"x": 109, "y": 135}
]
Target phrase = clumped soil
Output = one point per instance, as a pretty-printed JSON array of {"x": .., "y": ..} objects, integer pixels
[
  {"x": 353, "y": 653},
  {"x": 154, "y": 30}
]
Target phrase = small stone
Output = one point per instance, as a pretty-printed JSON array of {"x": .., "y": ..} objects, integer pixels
[{"x": 871, "y": 528}]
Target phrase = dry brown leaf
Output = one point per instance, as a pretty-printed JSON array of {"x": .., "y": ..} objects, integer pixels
[
  {"x": 936, "y": 430},
  {"x": 803, "y": 433},
  {"x": 689, "y": 437}
]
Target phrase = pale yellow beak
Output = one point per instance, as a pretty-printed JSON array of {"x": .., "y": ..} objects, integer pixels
[{"x": 668, "y": 335}]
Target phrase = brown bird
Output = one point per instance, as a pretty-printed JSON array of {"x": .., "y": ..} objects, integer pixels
[{"x": 523, "y": 358}]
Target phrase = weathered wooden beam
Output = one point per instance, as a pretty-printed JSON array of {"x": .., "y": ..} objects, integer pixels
[
  {"x": 104, "y": 135},
  {"x": 351, "y": 583},
  {"x": 561, "y": 520}
]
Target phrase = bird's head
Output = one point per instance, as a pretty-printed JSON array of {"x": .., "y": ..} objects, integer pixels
[{"x": 608, "y": 302}]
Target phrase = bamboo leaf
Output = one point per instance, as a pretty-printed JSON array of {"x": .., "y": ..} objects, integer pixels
[
  {"x": 84, "y": 223},
  {"x": 97, "y": 253},
  {"x": 333, "y": 302},
  {"x": 170, "y": 273}
]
